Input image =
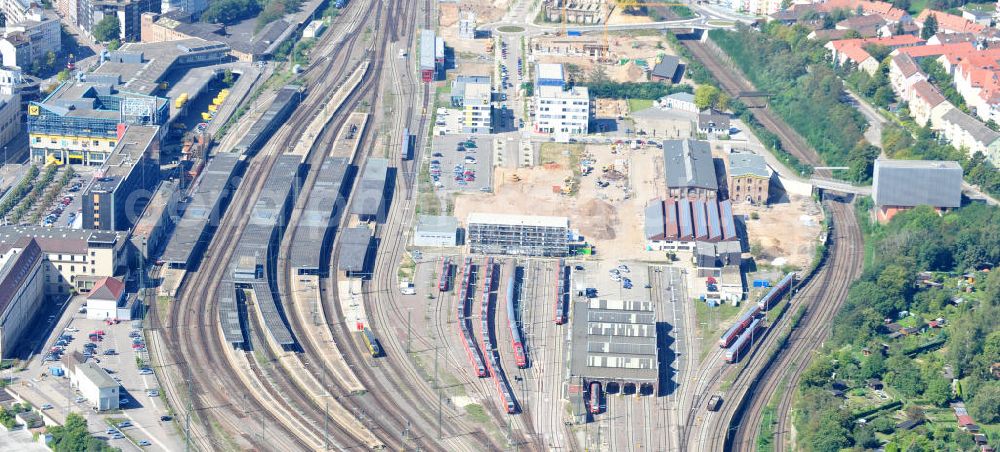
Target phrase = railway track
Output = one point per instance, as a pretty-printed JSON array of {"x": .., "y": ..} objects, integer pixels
[
  {"x": 391, "y": 418},
  {"x": 733, "y": 84},
  {"x": 846, "y": 261},
  {"x": 741, "y": 406},
  {"x": 402, "y": 412},
  {"x": 193, "y": 323}
]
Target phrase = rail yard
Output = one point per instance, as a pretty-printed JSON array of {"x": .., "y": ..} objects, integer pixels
[{"x": 604, "y": 285}]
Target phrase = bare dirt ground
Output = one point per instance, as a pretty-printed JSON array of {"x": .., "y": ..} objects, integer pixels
[
  {"x": 464, "y": 48},
  {"x": 486, "y": 11},
  {"x": 784, "y": 233},
  {"x": 623, "y": 45},
  {"x": 617, "y": 17},
  {"x": 610, "y": 108},
  {"x": 609, "y": 218}
]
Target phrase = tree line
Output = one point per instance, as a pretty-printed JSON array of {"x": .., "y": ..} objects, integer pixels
[{"x": 805, "y": 91}]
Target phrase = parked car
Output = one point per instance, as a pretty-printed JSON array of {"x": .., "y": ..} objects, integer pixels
[{"x": 144, "y": 443}]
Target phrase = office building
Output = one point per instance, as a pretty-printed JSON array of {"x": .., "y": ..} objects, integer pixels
[
  {"x": 125, "y": 183},
  {"x": 89, "y": 13},
  {"x": 31, "y": 40},
  {"x": 81, "y": 122},
  {"x": 474, "y": 94},
  {"x": 559, "y": 108}
]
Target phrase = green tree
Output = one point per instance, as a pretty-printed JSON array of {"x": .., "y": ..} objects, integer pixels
[
  {"x": 63, "y": 75},
  {"x": 74, "y": 437},
  {"x": 861, "y": 161},
  {"x": 598, "y": 75},
  {"x": 985, "y": 405},
  {"x": 705, "y": 96},
  {"x": 114, "y": 44},
  {"x": 873, "y": 366},
  {"x": 230, "y": 11},
  {"x": 904, "y": 376},
  {"x": 227, "y": 78},
  {"x": 107, "y": 29},
  {"x": 930, "y": 27},
  {"x": 938, "y": 391},
  {"x": 50, "y": 59}
]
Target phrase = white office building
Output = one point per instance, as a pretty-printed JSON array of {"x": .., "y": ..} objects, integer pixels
[
  {"x": 477, "y": 110},
  {"x": 559, "y": 108},
  {"x": 96, "y": 386}
]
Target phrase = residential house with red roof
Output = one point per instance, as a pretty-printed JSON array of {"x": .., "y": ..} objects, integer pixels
[
  {"x": 853, "y": 50},
  {"x": 885, "y": 10},
  {"x": 949, "y": 23}
]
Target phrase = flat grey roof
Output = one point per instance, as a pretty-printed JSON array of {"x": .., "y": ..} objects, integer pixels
[
  {"x": 354, "y": 246},
  {"x": 130, "y": 149},
  {"x": 654, "y": 225},
  {"x": 203, "y": 208},
  {"x": 369, "y": 196},
  {"x": 287, "y": 98},
  {"x": 667, "y": 67},
  {"x": 689, "y": 164},
  {"x": 153, "y": 60},
  {"x": 443, "y": 224},
  {"x": 427, "y": 48},
  {"x": 229, "y": 314},
  {"x": 908, "y": 183},
  {"x": 322, "y": 213},
  {"x": 271, "y": 310},
  {"x": 614, "y": 340}
]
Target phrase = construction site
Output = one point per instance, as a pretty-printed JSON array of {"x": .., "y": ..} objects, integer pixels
[{"x": 600, "y": 187}]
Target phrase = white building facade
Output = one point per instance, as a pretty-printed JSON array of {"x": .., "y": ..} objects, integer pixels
[{"x": 96, "y": 386}]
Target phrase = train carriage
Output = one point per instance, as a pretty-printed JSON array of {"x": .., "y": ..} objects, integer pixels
[
  {"x": 372, "y": 343},
  {"x": 520, "y": 356}
]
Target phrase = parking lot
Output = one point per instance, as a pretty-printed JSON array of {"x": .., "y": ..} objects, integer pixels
[
  {"x": 142, "y": 422},
  {"x": 55, "y": 203},
  {"x": 461, "y": 163},
  {"x": 613, "y": 280}
]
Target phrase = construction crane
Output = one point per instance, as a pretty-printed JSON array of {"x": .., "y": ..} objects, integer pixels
[{"x": 626, "y": 4}]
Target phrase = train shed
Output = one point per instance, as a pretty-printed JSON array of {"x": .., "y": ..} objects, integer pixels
[
  {"x": 614, "y": 341},
  {"x": 285, "y": 101},
  {"x": 355, "y": 251},
  {"x": 202, "y": 213},
  {"x": 322, "y": 213},
  {"x": 370, "y": 200}
]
